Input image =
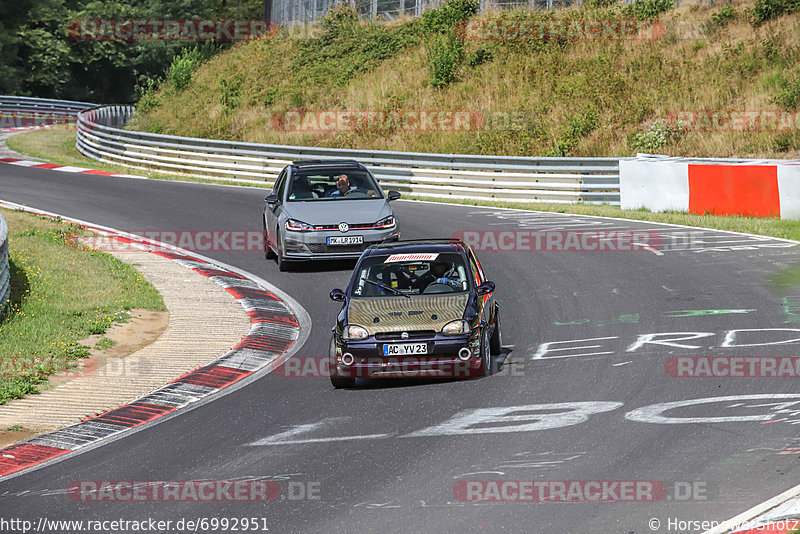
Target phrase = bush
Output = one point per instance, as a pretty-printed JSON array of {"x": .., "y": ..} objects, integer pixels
[
  {"x": 183, "y": 66},
  {"x": 648, "y": 9},
  {"x": 479, "y": 57},
  {"x": 724, "y": 16},
  {"x": 444, "y": 57},
  {"x": 765, "y": 10},
  {"x": 148, "y": 99},
  {"x": 445, "y": 17},
  {"x": 789, "y": 97},
  {"x": 660, "y": 133},
  {"x": 229, "y": 91},
  {"x": 340, "y": 19}
]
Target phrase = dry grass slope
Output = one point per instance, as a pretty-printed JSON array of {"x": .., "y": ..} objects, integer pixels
[{"x": 584, "y": 98}]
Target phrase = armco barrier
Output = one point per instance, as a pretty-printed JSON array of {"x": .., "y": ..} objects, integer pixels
[
  {"x": 455, "y": 176},
  {"x": 22, "y": 112},
  {"x": 5, "y": 268},
  {"x": 753, "y": 188}
]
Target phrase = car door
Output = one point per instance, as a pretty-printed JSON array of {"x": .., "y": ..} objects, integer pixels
[{"x": 272, "y": 212}]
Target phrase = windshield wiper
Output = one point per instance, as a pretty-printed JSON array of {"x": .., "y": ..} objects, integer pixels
[{"x": 393, "y": 290}]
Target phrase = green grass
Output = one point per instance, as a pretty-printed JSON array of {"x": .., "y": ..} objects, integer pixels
[
  {"x": 104, "y": 343},
  {"x": 61, "y": 293},
  {"x": 58, "y": 146}
]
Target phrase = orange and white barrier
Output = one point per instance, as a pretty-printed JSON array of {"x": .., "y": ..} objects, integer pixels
[{"x": 751, "y": 188}]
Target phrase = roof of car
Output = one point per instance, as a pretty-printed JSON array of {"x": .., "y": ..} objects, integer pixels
[
  {"x": 418, "y": 246},
  {"x": 327, "y": 164}
]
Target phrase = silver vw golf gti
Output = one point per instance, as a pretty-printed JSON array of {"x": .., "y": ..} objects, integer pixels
[{"x": 326, "y": 210}]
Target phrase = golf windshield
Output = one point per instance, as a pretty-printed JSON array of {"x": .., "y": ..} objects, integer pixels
[
  {"x": 351, "y": 184},
  {"x": 411, "y": 274}
]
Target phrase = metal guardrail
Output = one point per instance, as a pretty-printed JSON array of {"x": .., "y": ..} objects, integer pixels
[
  {"x": 453, "y": 176},
  {"x": 5, "y": 268},
  {"x": 42, "y": 105}
]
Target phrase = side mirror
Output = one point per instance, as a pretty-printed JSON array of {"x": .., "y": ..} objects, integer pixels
[
  {"x": 392, "y": 195},
  {"x": 485, "y": 288},
  {"x": 272, "y": 199},
  {"x": 337, "y": 295}
]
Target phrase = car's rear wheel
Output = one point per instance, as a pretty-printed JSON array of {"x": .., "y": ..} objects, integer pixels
[
  {"x": 268, "y": 253},
  {"x": 283, "y": 265},
  {"x": 339, "y": 382},
  {"x": 496, "y": 344}
]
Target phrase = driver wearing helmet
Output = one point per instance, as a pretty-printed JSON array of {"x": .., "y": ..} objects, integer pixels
[{"x": 441, "y": 272}]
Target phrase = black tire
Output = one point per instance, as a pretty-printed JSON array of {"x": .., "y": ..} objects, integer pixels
[
  {"x": 339, "y": 382},
  {"x": 487, "y": 361},
  {"x": 268, "y": 253},
  {"x": 496, "y": 343},
  {"x": 283, "y": 265}
]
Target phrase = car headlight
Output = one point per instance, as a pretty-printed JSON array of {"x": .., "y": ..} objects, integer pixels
[
  {"x": 386, "y": 222},
  {"x": 298, "y": 226},
  {"x": 453, "y": 328},
  {"x": 354, "y": 332}
]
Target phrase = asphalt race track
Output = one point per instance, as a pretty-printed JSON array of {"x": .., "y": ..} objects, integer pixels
[{"x": 386, "y": 456}]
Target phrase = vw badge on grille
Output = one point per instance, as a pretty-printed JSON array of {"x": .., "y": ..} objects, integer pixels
[{"x": 343, "y": 227}]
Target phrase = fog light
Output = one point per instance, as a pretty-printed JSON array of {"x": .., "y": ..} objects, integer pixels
[
  {"x": 464, "y": 354},
  {"x": 348, "y": 359}
]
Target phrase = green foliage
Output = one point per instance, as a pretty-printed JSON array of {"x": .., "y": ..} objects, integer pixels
[
  {"x": 444, "y": 57},
  {"x": 348, "y": 48},
  {"x": 599, "y": 4},
  {"x": 42, "y": 53},
  {"x": 479, "y": 57},
  {"x": 229, "y": 91},
  {"x": 789, "y": 96},
  {"x": 148, "y": 98},
  {"x": 647, "y": 9},
  {"x": 660, "y": 134},
  {"x": 576, "y": 126},
  {"x": 765, "y": 10},
  {"x": 723, "y": 17},
  {"x": 183, "y": 66},
  {"x": 445, "y": 17},
  {"x": 341, "y": 19}
]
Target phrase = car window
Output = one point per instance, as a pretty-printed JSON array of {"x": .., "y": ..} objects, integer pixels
[
  {"x": 476, "y": 269},
  {"x": 280, "y": 185},
  {"x": 411, "y": 274},
  {"x": 332, "y": 185}
]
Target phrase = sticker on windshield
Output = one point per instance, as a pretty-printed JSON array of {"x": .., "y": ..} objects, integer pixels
[{"x": 411, "y": 257}]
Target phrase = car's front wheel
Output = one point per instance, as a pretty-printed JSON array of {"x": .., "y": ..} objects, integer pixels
[
  {"x": 496, "y": 344},
  {"x": 339, "y": 382},
  {"x": 487, "y": 361},
  {"x": 283, "y": 265},
  {"x": 268, "y": 253}
]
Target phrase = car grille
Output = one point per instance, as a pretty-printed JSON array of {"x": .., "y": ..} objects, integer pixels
[
  {"x": 354, "y": 226},
  {"x": 321, "y": 248},
  {"x": 412, "y": 334}
]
